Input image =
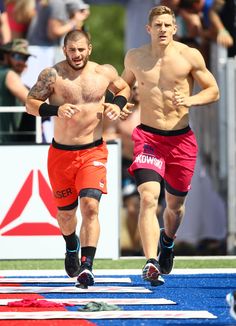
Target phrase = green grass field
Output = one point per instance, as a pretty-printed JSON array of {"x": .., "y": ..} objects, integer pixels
[{"x": 127, "y": 263}]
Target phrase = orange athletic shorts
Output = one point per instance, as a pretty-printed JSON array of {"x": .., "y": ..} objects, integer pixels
[{"x": 72, "y": 168}]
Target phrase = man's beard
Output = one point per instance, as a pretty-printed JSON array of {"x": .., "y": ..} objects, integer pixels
[{"x": 74, "y": 67}]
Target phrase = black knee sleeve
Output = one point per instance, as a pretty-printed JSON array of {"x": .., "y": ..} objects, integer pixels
[
  {"x": 90, "y": 192},
  {"x": 145, "y": 175}
]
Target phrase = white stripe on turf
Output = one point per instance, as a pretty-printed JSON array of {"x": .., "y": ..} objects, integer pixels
[
  {"x": 83, "y": 301},
  {"x": 73, "y": 289},
  {"x": 108, "y": 314}
]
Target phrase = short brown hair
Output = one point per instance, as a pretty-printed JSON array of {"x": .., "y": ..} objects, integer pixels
[
  {"x": 75, "y": 35},
  {"x": 160, "y": 10}
]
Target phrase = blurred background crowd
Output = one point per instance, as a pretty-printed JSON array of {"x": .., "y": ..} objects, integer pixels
[{"x": 31, "y": 36}]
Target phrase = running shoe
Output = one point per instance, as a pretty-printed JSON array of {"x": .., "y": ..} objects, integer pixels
[
  {"x": 72, "y": 265},
  {"x": 231, "y": 300},
  {"x": 166, "y": 256},
  {"x": 151, "y": 272},
  {"x": 85, "y": 276}
]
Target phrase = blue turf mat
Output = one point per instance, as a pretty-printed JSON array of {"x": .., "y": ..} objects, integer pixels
[{"x": 190, "y": 292}]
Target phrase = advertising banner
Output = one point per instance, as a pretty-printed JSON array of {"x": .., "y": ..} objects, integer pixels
[{"x": 28, "y": 225}]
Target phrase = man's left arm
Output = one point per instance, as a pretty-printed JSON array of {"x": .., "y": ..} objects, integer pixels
[
  {"x": 209, "y": 92},
  {"x": 117, "y": 96}
]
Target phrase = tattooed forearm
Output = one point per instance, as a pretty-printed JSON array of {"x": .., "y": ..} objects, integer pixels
[{"x": 44, "y": 85}]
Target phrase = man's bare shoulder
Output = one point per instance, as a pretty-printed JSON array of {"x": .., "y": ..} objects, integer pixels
[
  {"x": 106, "y": 70},
  {"x": 45, "y": 84},
  {"x": 138, "y": 51},
  {"x": 184, "y": 48},
  {"x": 192, "y": 55},
  {"x": 48, "y": 73},
  {"x": 135, "y": 56},
  {"x": 61, "y": 68}
]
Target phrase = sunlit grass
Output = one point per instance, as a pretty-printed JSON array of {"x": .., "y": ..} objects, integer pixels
[{"x": 136, "y": 263}]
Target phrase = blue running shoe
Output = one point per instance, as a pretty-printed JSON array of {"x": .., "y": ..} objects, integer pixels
[
  {"x": 72, "y": 265},
  {"x": 85, "y": 276},
  {"x": 151, "y": 272},
  {"x": 166, "y": 256},
  {"x": 231, "y": 300}
]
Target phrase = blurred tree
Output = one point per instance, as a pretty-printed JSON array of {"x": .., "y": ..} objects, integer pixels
[{"x": 106, "y": 26}]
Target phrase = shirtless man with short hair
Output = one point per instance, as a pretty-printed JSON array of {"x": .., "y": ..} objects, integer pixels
[
  {"x": 164, "y": 144},
  {"x": 77, "y": 156}
]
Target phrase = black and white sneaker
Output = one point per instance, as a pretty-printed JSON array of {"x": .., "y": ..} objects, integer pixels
[
  {"x": 166, "y": 256},
  {"x": 152, "y": 273},
  {"x": 72, "y": 265},
  {"x": 85, "y": 276}
]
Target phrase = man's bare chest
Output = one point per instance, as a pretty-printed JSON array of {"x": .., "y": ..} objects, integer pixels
[
  {"x": 82, "y": 89},
  {"x": 162, "y": 72}
]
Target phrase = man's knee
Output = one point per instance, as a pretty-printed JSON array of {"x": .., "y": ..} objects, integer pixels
[
  {"x": 148, "y": 199},
  {"x": 176, "y": 209},
  {"x": 89, "y": 207},
  {"x": 65, "y": 216}
]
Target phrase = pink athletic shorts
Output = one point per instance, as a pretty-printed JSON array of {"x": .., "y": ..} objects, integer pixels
[
  {"x": 73, "y": 168},
  {"x": 172, "y": 154}
]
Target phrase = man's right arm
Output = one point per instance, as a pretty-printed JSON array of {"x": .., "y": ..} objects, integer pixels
[
  {"x": 127, "y": 74},
  {"x": 41, "y": 91}
]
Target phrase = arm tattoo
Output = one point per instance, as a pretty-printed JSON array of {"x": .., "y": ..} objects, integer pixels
[{"x": 45, "y": 85}]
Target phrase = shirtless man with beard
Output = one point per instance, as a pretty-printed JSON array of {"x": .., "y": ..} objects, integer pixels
[{"x": 77, "y": 157}]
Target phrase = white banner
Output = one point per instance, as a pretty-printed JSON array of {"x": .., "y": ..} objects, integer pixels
[{"x": 28, "y": 227}]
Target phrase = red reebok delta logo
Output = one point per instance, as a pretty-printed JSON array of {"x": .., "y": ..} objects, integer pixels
[{"x": 22, "y": 200}]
